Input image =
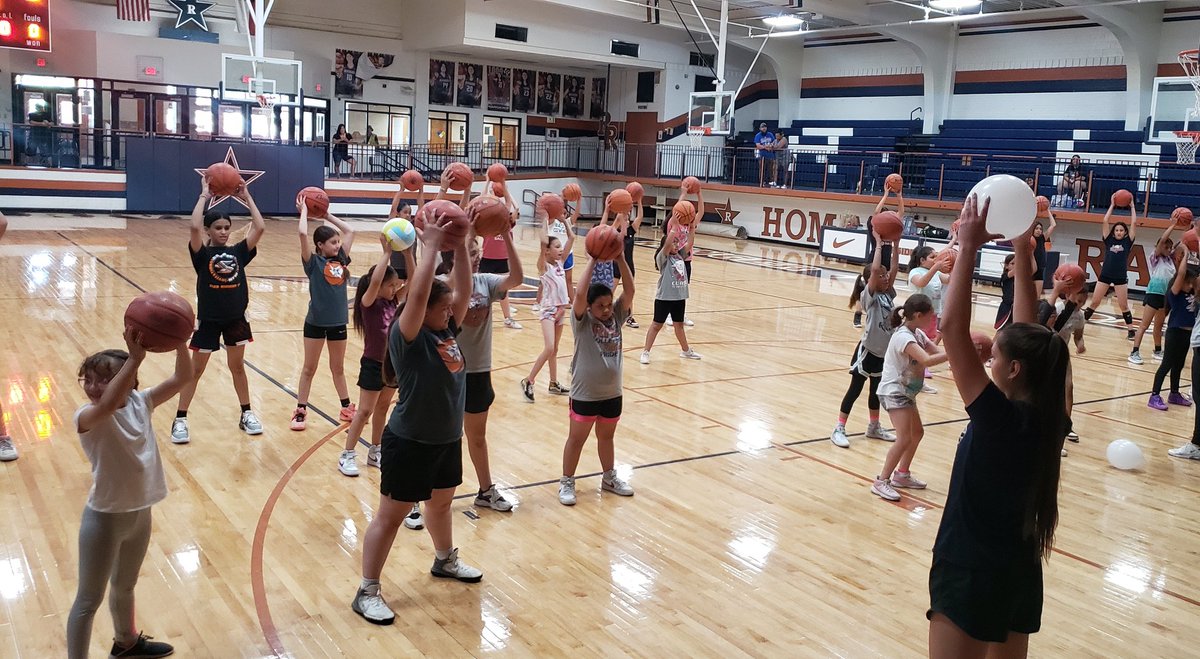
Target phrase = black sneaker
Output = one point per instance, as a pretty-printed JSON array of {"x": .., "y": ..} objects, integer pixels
[
  {"x": 527, "y": 389},
  {"x": 143, "y": 648},
  {"x": 1131, "y": 334},
  {"x": 858, "y": 319},
  {"x": 1087, "y": 313}
]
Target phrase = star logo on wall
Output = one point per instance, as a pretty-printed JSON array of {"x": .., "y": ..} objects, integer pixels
[
  {"x": 726, "y": 212},
  {"x": 248, "y": 176},
  {"x": 191, "y": 11}
]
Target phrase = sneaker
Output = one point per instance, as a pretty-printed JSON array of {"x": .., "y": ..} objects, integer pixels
[
  {"x": 348, "y": 463},
  {"x": 906, "y": 480},
  {"x": 250, "y": 424},
  {"x": 1177, "y": 398},
  {"x": 537, "y": 308},
  {"x": 928, "y": 374},
  {"x": 858, "y": 319},
  {"x": 669, "y": 322},
  {"x": 179, "y": 431},
  {"x": 928, "y": 389},
  {"x": 511, "y": 323},
  {"x": 645, "y": 358},
  {"x": 414, "y": 520},
  {"x": 527, "y": 389},
  {"x": 1063, "y": 453},
  {"x": 1158, "y": 354},
  {"x": 566, "y": 490},
  {"x": 375, "y": 456},
  {"x": 1189, "y": 451},
  {"x": 884, "y": 489},
  {"x": 1088, "y": 312},
  {"x": 369, "y": 604},
  {"x": 689, "y": 354},
  {"x": 631, "y": 323},
  {"x": 452, "y": 568},
  {"x": 1135, "y": 357},
  {"x": 298, "y": 418},
  {"x": 1129, "y": 336},
  {"x": 877, "y": 431},
  {"x": 558, "y": 390},
  {"x": 1156, "y": 403},
  {"x": 839, "y": 437},
  {"x": 615, "y": 484},
  {"x": 1073, "y": 437},
  {"x": 347, "y": 413},
  {"x": 8, "y": 452},
  {"x": 142, "y": 648},
  {"x": 491, "y": 498},
  {"x": 687, "y": 322}
]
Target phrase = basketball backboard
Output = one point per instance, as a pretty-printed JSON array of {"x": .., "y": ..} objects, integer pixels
[
  {"x": 1173, "y": 107},
  {"x": 244, "y": 77},
  {"x": 712, "y": 110}
]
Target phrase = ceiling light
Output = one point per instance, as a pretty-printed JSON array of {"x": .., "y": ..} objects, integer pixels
[
  {"x": 954, "y": 5},
  {"x": 783, "y": 21}
]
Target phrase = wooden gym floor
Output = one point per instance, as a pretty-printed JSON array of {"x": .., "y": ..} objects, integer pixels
[{"x": 750, "y": 534}]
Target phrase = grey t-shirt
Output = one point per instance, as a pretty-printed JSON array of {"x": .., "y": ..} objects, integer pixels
[
  {"x": 596, "y": 365},
  {"x": 672, "y": 277},
  {"x": 327, "y": 279},
  {"x": 475, "y": 341},
  {"x": 877, "y": 330},
  {"x": 432, "y": 380}
]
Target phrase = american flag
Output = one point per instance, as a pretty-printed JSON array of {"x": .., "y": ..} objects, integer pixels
[{"x": 133, "y": 10}]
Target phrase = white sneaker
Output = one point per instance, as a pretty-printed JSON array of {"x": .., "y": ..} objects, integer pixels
[
  {"x": 8, "y": 452},
  {"x": 687, "y": 322},
  {"x": 452, "y": 568},
  {"x": 877, "y": 431},
  {"x": 537, "y": 308},
  {"x": 370, "y": 605},
  {"x": 250, "y": 423},
  {"x": 566, "y": 490},
  {"x": 491, "y": 498},
  {"x": 1135, "y": 357},
  {"x": 615, "y": 484},
  {"x": 645, "y": 358},
  {"x": 179, "y": 431},
  {"x": 348, "y": 463},
  {"x": 511, "y": 323},
  {"x": 375, "y": 456},
  {"x": 1189, "y": 451},
  {"x": 839, "y": 437},
  {"x": 884, "y": 489},
  {"x": 414, "y": 520},
  {"x": 928, "y": 389},
  {"x": 669, "y": 321},
  {"x": 689, "y": 354}
]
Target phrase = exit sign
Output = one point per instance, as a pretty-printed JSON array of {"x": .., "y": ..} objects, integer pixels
[{"x": 25, "y": 25}]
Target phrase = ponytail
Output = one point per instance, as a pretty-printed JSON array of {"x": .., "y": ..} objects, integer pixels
[
  {"x": 918, "y": 255},
  {"x": 364, "y": 282},
  {"x": 860, "y": 284},
  {"x": 662, "y": 244}
]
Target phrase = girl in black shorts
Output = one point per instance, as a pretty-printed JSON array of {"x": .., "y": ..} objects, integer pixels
[
  {"x": 1115, "y": 272},
  {"x": 1154, "y": 298},
  {"x": 985, "y": 585},
  {"x": 670, "y": 299}
]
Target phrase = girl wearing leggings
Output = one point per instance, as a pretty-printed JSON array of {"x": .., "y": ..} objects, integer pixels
[{"x": 1180, "y": 320}]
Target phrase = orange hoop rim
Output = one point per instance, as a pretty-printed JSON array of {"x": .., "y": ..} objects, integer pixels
[
  {"x": 1194, "y": 135},
  {"x": 1192, "y": 54},
  {"x": 700, "y": 130}
]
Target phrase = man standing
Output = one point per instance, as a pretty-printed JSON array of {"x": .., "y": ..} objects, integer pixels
[{"x": 763, "y": 143}]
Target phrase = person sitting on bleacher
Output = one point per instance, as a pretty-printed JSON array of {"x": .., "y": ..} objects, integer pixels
[{"x": 1073, "y": 180}]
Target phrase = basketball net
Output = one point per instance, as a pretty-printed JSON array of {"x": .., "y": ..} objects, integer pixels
[
  {"x": 1185, "y": 152},
  {"x": 267, "y": 101},
  {"x": 696, "y": 135}
]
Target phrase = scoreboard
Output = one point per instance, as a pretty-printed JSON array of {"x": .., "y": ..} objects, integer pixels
[{"x": 25, "y": 24}]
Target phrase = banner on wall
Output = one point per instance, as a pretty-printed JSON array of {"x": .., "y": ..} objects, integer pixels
[
  {"x": 547, "y": 93},
  {"x": 470, "y": 85},
  {"x": 599, "y": 93},
  {"x": 522, "y": 93},
  {"x": 499, "y": 91},
  {"x": 573, "y": 96},
  {"x": 352, "y": 67},
  {"x": 441, "y": 82}
]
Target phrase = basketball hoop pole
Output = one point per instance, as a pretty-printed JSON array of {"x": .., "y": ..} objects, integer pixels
[{"x": 722, "y": 40}]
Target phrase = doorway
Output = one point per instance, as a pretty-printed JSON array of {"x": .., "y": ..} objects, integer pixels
[{"x": 641, "y": 144}]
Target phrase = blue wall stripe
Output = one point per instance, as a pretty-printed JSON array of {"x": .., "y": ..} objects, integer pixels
[
  {"x": 78, "y": 194},
  {"x": 847, "y": 43},
  {"x": 859, "y": 92},
  {"x": 1013, "y": 30},
  {"x": 760, "y": 95},
  {"x": 1040, "y": 86}
]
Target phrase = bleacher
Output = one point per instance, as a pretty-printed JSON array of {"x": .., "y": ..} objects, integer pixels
[{"x": 849, "y": 146}]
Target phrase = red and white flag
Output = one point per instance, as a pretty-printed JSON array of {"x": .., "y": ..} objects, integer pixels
[{"x": 133, "y": 10}]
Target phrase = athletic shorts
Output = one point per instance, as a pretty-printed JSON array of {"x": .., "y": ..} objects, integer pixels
[
  {"x": 370, "y": 374},
  {"x": 1155, "y": 300},
  {"x": 494, "y": 266},
  {"x": 1114, "y": 281},
  {"x": 337, "y": 333},
  {"x": 987, "y": 604},
  {"x": 896, "y": 402},
  {"x": 411, "y": 470},
  {"x": 570, "y": 262},
  {"x": 866, "y": 364},
  {"x": 601, "y": 411},
  {"x": 340, "y": 157},
  {"x": 480, "y": 394},
  {"x": 552, "y": 313},
  {"x": 208, "y": 334},
  {"x": 672, "y": 308}
]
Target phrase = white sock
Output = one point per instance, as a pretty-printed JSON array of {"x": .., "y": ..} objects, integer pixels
[
  {"x": 368, "y": 582},
  {"x": 442, "y": 554}
]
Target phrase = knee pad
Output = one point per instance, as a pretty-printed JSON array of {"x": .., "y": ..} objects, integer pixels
[{"x": 1128, "y": 316}]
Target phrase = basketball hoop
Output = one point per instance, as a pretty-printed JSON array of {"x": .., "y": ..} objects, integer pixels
[
  {"x": 696, "y": 135},
  {"x": 267, "y": 101},
  {"x": 1185, "y": 149}
]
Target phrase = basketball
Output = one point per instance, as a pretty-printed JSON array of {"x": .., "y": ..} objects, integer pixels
[
  {"x": 572, "y": 192},
  {"x": 684, "y": 211},
  {"x": 1043, "y": 204},
  {"x": 1190, "y": 241},
  {"x": 636, "y": 191},
  {"x": 223, "y": 179},
  {"x": 1122, "y": 198},
  {"x": 951, "y": 257},
  {"x": 1073, "y": 276},
  {"x": 316, "y": 200},
  {"x": 497, "y": 171},
  {"x": 164, "y": 320},
  {"x": 888, "y": 225},
  {"x": 552, "y": 205},
  {"x": 498, "y": 188},
  {"x": 412, "y": 180},
  {"x": 489, "y": 216},
  {"x": 620, "y": 201},
  {"x": 983, "y": 345},
  {"x": 603, "y": 243},
  {"x": 1182, "y": 217},
  {"x": 457, "y": 225},
  {"x": 459, "y": 176},
  {"x": 894, "y": 182},
  {"x": 691, "y": 185},
  {"x": 400, "y": 233}
]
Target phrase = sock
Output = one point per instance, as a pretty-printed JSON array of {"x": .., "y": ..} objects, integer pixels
[
  {"x": 368, "y": 582},
  {"x": 246, "y": 407},
  {"x": 345, "y": 402},
  {"x": 349, "y": 452},
  {"x": 1087, "y": 313},
  {"x": 874, "y": 414},
  {"x": 901, "y": 472},
  {"x": 842, "y": 419},
  {"x": 1157, "y": 348},
  {"x": 442, "y": 554},
  {"x": 1128, "y": 316},
  {"x": 181, "y": 414}
]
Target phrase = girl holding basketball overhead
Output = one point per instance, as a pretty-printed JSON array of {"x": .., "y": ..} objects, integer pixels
[
  {"x": 8, "y": 452},
  {"x": 875, "y": 291},
  {"x": 670, "y": 299},
  {"x": 684, "y": 235},
  {"x": 222, "y": 296},
  {"x": 1182, "y": 318},
  {"x": 1001, "y": 511},
  {"x": 1041, "y": 239},
  {"x": 563, "y": 229},
  {"x": 630, "y": 238},
  {"x": 1154, "y": 300},
  {"x": 556, "y": 298},
  {"x": 1118, "y": 244},
  {"x": 328, "y": 276}
]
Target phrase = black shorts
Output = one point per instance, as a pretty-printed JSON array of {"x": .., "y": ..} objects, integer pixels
[
  {"x": 325, "y": 333},
  {"x": 987, "y": 604},
  {"x": 1113, "y": 281},
  {"x": 672, "y": 308},
  {"x": 628, "y": 260},
  {"x": 480, "y": 394},
  {"x": 1155, "y": 300},
  {"x": 866, "y": 363},
  {"x": 602, "y": 411},
  {"x": 411, "y": 470},
  {"x": 493, "y": 266},
  {"x": 341, "y": 157},
  {"x": 687, "y": 265},
  {"x": 370, "y": 374},
  {"x": 208, "y": 334}
]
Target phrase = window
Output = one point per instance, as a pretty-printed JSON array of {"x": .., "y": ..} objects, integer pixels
[
  {"x": 501, "y": 137},
  {"x": 702, "y": 59},
  {"x": 391, "y": 125},
  {"x": 448, "y": 133}
]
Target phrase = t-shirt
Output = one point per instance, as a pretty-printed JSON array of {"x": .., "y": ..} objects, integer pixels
[
  {"x": 127, "y": 472},
  {"x": 432, "y": 378},
  {"x": 933, "y": 289},
  {"x": 554, "y": 286},
  {"x": 1116, "y": 257},
  {"x": 902, "y": 376},
  {"x": 990, "y": 487},
  {"x": 672, "y": 277},
  {"x": 495, "y": 248},
  {"x": 475, "y": 340},
  {"x": 377, "y": 318},
  {"x": 766, "y": 139},
  {"x": 596, "y": 364},
  {"x": 877, "y": 328},
  {"x": 327, "y": 278},
  {"x": 603, "y": 274},
  {"x": 1162, "y": 271},
  {"x": 222, "y": 294},
  {"x": 682, "y": 236},
  {"x": 1182, "y": 309}
]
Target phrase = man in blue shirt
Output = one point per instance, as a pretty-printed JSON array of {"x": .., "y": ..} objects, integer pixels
[{"x": 763, "y": 143}]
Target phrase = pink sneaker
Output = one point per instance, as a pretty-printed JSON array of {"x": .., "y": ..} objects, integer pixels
[
  {"x": 905, "y": 479},
  {"x": 1177, "y": 398},
  {"x": 347, "y": 413},
  {"x": 298, "y": 418}
]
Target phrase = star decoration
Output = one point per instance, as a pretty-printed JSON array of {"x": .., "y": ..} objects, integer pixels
[
  {"x": 248, "y": 176},
  {"x": 726, "y": 212},
  {"x": 191, "y": 11}
]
